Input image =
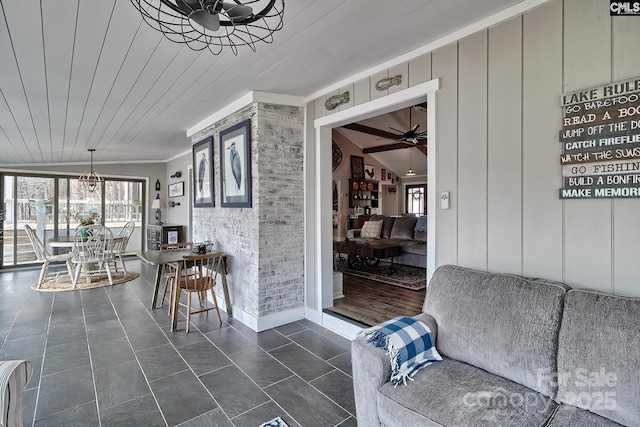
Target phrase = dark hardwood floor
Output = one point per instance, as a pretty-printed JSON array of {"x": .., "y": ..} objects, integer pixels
[{"x": 371, "y": 302}]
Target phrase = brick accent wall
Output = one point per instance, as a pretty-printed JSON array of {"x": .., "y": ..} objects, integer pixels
[{"x": 264, "y": 243}]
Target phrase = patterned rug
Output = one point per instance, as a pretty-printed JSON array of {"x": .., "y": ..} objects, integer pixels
[
  {"x": 63, "y": 282},
  {"x": 405, "y": 276}
]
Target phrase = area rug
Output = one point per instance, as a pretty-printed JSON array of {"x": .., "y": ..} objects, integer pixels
[
  {"x": 63, "y": 283},
  {"x": 276, "y": 422},
  {"x": 405, "y": 276}
]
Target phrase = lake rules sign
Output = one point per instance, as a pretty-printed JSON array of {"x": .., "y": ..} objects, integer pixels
[{"x": 600, "y": 140}]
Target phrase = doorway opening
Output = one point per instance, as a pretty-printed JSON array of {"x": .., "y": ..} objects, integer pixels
[
  {"x": 392, "y": 147},
  {"x": 319, "y": 269}
]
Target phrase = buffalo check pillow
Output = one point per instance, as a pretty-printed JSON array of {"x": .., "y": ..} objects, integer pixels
[
  {"x": 409, "y": 344},
  {"x": 371, "y": 229}
]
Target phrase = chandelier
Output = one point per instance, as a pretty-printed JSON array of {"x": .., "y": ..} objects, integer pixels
[
  {"x": 214, "y": 24},
  {"x": 91, "y": 181}
]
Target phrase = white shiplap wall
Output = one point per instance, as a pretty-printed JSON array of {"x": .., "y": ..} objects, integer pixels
[
  {"x": 505, "y": 148},
  {"x": 498, "y": 116}
]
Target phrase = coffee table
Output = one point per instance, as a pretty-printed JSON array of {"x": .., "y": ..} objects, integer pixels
[{"x": 363, "y": 251}]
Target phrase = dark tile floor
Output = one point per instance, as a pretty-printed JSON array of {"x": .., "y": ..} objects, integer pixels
[{"x": 102, "y": 357}]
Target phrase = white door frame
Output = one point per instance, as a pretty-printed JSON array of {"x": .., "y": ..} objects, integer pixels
[{"x": 319, "y": 228}]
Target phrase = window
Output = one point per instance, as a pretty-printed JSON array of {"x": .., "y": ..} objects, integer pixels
[
  {"x": 416, "y": 199},
  {"x": 54, "y": 206}
]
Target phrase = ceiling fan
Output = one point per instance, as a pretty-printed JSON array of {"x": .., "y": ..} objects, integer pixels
[
  {"x": 402, "y": 139},
  {"x": 206, "y": 12},
  {"x": 412, "y": 135}
]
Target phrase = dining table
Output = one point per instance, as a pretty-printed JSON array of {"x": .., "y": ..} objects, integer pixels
[
  {"x": 159, "y": 258},
  {"x": 68, "y": 241}
]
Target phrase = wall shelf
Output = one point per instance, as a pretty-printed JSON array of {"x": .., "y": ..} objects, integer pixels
[{"x": 363, "y": 192}]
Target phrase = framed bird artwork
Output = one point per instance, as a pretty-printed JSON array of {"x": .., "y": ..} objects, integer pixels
[
  {"x": 235, "y": 166},
  {"x": 203, "y": 192}
]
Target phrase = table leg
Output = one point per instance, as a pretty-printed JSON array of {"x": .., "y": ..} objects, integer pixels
[
  {"x": 157, "y": 286},
  {"x": 225, "y": 289},
  {"x": 391, "y": 267},
  {"x": 175, "y": 297}
]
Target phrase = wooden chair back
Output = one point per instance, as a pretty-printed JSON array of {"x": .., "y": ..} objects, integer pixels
[
  {"x": 126, "y": 232},
  {"x": 92, "y": 243},
  {"x": 199, "y": 272},
  {"x": 38, "y": 247}
]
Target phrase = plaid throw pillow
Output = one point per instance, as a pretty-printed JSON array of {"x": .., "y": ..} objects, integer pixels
[
  {"x": 371, "y": 229},
  {"x": 408, "y": 343}
]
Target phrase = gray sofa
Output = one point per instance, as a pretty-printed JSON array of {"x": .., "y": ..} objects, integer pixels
[
  {"x": 402, "y": 231},
  {"x": 14, "y": 376},
  {"x": 517, "y": 352}
]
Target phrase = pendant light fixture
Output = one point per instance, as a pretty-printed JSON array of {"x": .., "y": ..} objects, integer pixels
[
  {"x": 91, "y": 181},
  {"x": 410, "y": 172}
]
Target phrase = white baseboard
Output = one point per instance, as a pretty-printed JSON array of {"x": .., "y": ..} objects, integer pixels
[
  {"x": 263, "y": 323},
  {"x": 313, "y": 315},
  {"x": 340, "y": 327},
  {"x": 259, "y": 324}
]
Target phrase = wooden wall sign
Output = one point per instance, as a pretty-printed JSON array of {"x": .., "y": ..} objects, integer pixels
[{"x": 600, "y": 140}]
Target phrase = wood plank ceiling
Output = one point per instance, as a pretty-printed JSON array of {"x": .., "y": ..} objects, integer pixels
[{"x": 91, "y": 74}]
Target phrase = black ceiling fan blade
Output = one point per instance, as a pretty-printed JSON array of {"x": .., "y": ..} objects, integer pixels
[
  {"x": 401, "y": 132},
  {"x": 391, "y": 147},
  {"x": 371, "y": 131},
  {"x": 188, "y": 6},
  {"x": 206, "y": 19},
  {"x": 415, "y": 127},
  {"x": 237, "y": 12}
]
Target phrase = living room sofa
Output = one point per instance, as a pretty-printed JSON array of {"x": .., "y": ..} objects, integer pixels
[
  {"x": 402, "y": 230},
  {"x": 516, "y": 352},
  {"x": 14, "y": 376}
]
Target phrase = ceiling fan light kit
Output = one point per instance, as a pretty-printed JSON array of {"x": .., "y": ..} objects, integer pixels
[{"x": 214, "y": 24}]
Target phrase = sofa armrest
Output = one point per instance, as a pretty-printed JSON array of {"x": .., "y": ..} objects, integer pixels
[
  {"x": 14, "y": 376},
  {"x": 353, "y": 233},
  {"x": 371, "y": 369},
  {"x": 431, "y": 323}
]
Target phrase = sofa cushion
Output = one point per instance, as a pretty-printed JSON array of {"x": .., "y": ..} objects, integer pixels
[
  {"x": 571, "y": 416},
  {"x": 420, "y": 236},
  {"x": 452, "y": 393},
  {"x": 387, "y": 224},
  {"x": 602, "y": 378},
  {"x": 371, "y": 229},
  {"x": 411, "y": 247},
  {"x": 505, "y": 324},
  {"x": 403, "y": 228}
]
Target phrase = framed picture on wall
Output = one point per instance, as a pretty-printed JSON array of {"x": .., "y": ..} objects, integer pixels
[
  {"x": 357, "y": 167},
  {"x": 176, "y": 189},
  {"x": 235, "y": 166},
  {"x": 370, "y": 172},
  {"x": 203, "y": 173}
]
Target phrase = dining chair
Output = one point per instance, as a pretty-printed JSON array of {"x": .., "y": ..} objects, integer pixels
[
  {"x": 93, "y": 252},
  {"x": 43, "y": 256},
  {"x": 169, "y": 270},
  {"x": 120, "y": 244},
  {"x": 197, "y": 275}
]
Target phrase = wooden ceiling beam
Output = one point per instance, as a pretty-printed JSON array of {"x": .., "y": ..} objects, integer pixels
[
  {"x": 395, "y": 146},
  {"x": 372, "y": 131}
]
